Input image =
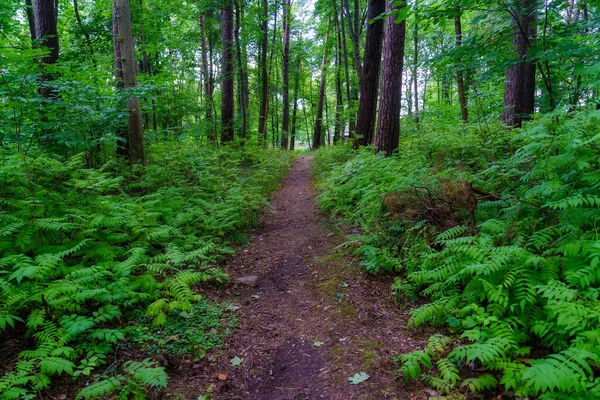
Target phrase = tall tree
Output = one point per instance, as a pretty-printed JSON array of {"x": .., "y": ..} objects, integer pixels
[
  {"x": 369, "y": 85},
  {"x": 285, "y": 119},
  {"x": 264, "y": 74},
  {"x": 354, "y": 28},
  {"x": 388, "y": 123},
  {"x": 519, "y": 90},
  {"x": 207, "y": 81},
  {"x": 317, "y": 138},
  {"x": 30, "y": 19},
  {"x": 416, "y": 63},
  {"x": 460, "y": 81},
  {"x": 227, "y": 71},
  {"x": 127, "y": 63},
  {"x": 295, "y": 110},
  {"x": 339, "y": 103},
  {"x": 242, "y": 88},
  {"x": 46, "y": 32}
]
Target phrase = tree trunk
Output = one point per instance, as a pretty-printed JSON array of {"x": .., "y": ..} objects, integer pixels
[
  {"x": 227, "y": 87},
  {"x": 207, "y": 82},
  {"x": 30, "y": 20},
  {"x": 285, "y": 119},
  {"x": 317, "y": 133},
  {"x": 46, "y": 33},
  {"x": 135, "y": 134},
  {"x": 519, "y": 90},
  {"x": 416, "y": 64},
  {"x": 353, "y": 28},
  {"x": 295, "y": 110},
  {"x": 388, "y": 124},
  {"x": 369, "y": 86},
  {"x": 242, "y": 98},
  {"x": 264, "y": 76},
  {"x": 460, "y": 82},
  {"x": 351, "y": 91}
]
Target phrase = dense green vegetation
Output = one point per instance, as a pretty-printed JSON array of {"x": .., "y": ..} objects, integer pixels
[
  {"x": 518, "y": 285},
  {"x": 84, "y": 250},
  {"x": 139, "y": 139}
]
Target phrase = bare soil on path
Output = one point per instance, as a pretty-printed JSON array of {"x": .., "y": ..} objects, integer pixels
[{"x": 313, "y": 320}]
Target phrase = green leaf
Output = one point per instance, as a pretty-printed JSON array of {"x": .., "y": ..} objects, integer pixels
[
  {"x": 359, "y": 377},
  {"x": 236, "y": 361}
]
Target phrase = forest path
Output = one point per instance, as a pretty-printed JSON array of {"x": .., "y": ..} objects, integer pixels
[{"x": 313, "y": 320}]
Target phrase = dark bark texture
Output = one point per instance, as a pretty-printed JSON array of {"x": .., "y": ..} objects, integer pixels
[
  {"x": 519, "y": 90},
  {"x": 318, "y": 137},
  {"x": 388, "y": 123},
  {"x": 369, "y": 85},
  {"x": 264, "y": 75},
  {"x": 285, "y": 118},
  {"x": 460, "y": 81},
  {"x": 46, "y": 34},
  {"x": 227, "y": 85}
]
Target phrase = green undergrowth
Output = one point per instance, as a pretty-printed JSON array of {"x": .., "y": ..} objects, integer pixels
[
  {"x": 497, "y": 235},
  {"x": 92, "y": 259}
]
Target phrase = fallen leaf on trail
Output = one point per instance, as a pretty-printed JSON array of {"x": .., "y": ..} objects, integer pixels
[
  {"x": 359, "y": 378},
  {"x": 318, "y": 343},
  {"x": 236, "y": 361},
  {"x": 221, "y": 376}
]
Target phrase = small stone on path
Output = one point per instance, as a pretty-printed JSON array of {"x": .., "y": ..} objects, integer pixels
[{"x": 250, "y": 280}]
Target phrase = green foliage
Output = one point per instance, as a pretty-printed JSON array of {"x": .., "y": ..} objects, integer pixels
[
  {"x": 82, "y": 249},
  {"x": 521, "y": 293}
]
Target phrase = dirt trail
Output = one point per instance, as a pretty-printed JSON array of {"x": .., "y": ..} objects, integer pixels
[{"x": 313, "y": 320}]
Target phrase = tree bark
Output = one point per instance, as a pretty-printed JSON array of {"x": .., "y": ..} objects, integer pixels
[
  {"x": 207, "y": 82},
  {"x": 135, "y": 134},
  {"x": 295, "y": 110},
  {"x": 388, "y": 124},
  {"x": 46, "y": 33},
  {"x": 519, "y": 90},
  {"x": 460, "y": 82},
  {"x": 285, "y": 119},
  {"x": 351, "y": 91},
  {"x": 369, "y": 86},
  {"x": 416, "y": 64},
  {"x": 317, "y": 132},
  {"x": 227, "y": 85},
  {"x": 30, "y": 19},
  {"x": 242, "y": 98},
  {"x": 354, "y": 30},
  {"x": 264, "y": 76}
]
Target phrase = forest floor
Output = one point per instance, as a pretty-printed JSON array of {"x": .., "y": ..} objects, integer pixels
[{"x": 313, "y": 320}]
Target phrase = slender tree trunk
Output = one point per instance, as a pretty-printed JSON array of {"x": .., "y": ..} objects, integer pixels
[
  {"x": 264, "y": 76},
  {"x": 227, "y": 86},
  {"x": 122, "y": 132},
  {"x": 295, "y": 110},
  {"x": 285, "y": 119},
  {"x": 135, "y": 136},
  {"x": 30, "y": 20},
  {"x": 353, "y": 28},
  {"x": 317, "y": 133},
  {"x": 416, "y": 64},
  {"x": 207, "y": 82},
  {"x": 388, "y": 124},
  {"x": 369, "y": 87},
  {"x": 519, "y": 91},
  {"x": 460, "y": 82},
  {"x": 242, "y": 98},
  {"x": 46, "y": 33},
  {"x": 351, "y": 91},
  {"x": 339, "y": 102}
]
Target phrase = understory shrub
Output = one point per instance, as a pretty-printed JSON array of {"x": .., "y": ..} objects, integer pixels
[
  {"x": 82, "y": 251},
  {"x": 500, "y": 239}
]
